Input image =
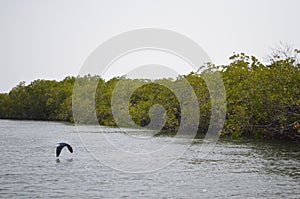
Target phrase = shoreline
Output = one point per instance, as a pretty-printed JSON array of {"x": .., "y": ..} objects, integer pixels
[{"x": 170, "y": 133}]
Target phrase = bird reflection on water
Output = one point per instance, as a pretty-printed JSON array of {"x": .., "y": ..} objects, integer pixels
[{"x": 68, "y": 160}]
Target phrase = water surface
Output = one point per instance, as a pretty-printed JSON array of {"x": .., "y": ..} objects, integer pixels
[{"x": 29, "y": 168}]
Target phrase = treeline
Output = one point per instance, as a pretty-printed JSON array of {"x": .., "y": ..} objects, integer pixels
[
  {"x": 263, "y": 100},
  {"x": 40, "y": 100}
]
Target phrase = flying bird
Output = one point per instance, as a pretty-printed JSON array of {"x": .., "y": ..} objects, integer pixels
[{"x": 61, "y": 146}]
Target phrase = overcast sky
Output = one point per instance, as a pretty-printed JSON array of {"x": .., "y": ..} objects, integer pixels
[{"x": 51, "y": 39}]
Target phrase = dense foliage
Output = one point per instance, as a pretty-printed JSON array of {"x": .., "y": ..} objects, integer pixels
[{"x": 263, "y": 101}]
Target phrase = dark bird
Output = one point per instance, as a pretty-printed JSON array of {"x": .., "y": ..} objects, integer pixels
[{"x": 61, "y": 146}]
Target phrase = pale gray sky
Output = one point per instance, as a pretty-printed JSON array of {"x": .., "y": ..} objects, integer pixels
[{"x": 51, "y": 39}]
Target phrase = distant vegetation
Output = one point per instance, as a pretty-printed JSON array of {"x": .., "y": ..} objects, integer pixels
[{"x": 263, "y": 101}]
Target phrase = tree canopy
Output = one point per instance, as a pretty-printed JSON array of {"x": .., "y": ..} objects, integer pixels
[{"x": 263, "y": 100}]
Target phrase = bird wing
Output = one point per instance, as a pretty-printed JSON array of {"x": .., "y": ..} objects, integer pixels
[
  {"x": 70, "y": 148},
  {"x": 58, "y": 149}
]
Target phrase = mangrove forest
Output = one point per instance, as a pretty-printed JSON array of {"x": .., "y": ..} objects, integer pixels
[{"x": 263, "y": 100}]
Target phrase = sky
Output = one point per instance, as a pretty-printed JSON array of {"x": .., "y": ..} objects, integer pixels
[{"x": 51, "y": 39}]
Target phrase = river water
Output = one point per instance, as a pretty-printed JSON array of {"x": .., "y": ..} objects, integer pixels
[{"x": 233, "y": 169}]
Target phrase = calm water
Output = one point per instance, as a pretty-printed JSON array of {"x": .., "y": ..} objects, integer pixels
[{"x": 29, "y": 168}]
